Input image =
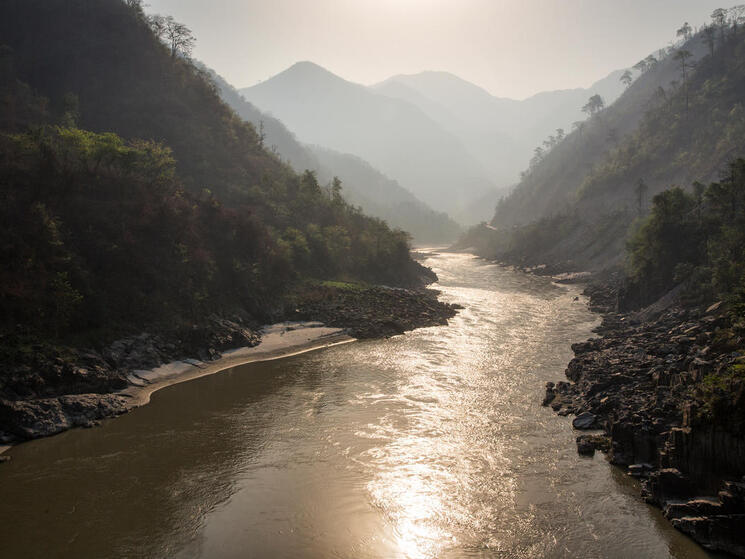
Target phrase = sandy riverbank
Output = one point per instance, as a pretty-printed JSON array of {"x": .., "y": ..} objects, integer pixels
[
  {"x": 49, "y": 416},
  {"x": 278, "y": 341}
]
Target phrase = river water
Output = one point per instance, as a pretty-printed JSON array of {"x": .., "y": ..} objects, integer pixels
[{"x": 431, "y": 444}]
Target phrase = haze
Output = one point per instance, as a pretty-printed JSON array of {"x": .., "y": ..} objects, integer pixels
[{"x": 512, "y": 48}]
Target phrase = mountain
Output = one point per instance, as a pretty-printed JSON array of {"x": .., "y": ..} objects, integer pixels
[
  {"x": 500, "y": 132},
  {"x": 385, "y": 198},
  {"x": 576, "y": 205},
  {"x": 393, "y": 135},
  {"x": 362, "y": 184},
  {"x": 134, "y": 197}
]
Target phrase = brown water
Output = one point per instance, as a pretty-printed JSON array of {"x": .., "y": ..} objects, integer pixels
[{"x": 432, "y": 444}]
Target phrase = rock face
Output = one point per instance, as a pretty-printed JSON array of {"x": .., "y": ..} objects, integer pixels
[{"x": 667, "y": 387}]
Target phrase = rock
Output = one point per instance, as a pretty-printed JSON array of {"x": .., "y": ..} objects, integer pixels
[
  {"x": 585, "y": 420},
  {"x": 640, "y": 470},
  {"x": 29, "y": 419},
  {"x": 550, "y": 394},
  {"x": 718, "y": 533},
  {"x": 585, "y": 447},
  {"x": 664, "y": 385},
  {"x": 667, "y": 484},
  {"x": 714, "y": 307}
]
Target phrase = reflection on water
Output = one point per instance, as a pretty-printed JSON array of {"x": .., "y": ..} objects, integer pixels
[{"x": 432, "y": 444}]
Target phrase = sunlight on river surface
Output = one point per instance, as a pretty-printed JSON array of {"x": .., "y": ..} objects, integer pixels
[{"x": 431, "y": 444}]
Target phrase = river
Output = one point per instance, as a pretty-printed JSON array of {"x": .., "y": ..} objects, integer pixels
[{"x": 431, "y": 444}]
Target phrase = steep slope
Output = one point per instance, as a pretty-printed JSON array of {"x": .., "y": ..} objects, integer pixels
[
  {"x": 107, "y": 230},
  {"x": 500, "y": 132},
  {"x": 362, "y": 184},
  {"x": 382, "y": 197},
  {"x": 392, "y": 135},
  {"x": 574, "y": 206}
]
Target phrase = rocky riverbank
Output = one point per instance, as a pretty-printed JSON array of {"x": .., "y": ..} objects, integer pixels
[
  {"x": 46, "y": 389},
  {"x": 372, "y": 312},
  {"x": 664, "y": 391}
]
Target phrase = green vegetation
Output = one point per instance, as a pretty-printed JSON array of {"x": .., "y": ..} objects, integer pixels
[
  {"x": 132, "y": 195},
  {"x": 693, "y": 128},
  {"x": 697, "y": 238},
  {"x": 679, "y": 122}
]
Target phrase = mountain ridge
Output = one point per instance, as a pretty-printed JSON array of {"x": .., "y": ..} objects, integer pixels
[{"x": 399, "y": 139}]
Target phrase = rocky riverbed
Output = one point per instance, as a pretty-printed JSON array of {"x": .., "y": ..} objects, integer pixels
[
  {"x": 663, "y": 393},
  {"x": 46, "y": 389}
]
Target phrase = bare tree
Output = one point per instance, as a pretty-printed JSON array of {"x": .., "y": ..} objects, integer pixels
[
  {"x": 180, "y": 38},
  {"x": 737, "y": 16},
  {"x": 158, "y": 25},
  {"x": 175, "y": 35}
]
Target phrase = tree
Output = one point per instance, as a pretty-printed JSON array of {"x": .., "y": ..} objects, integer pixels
[
  {"x": 640, "y": 190},
  {"x": 158, "y": 26},
  {"x": 719, "y": 17},
  {"x": 651, "y": 61},
  {"x": 180, "y": 38},
  {"x": 685, "y": 31},
  {"x": 682, "y": 56},
  {"x": 559, "y": 134},
  {"x": 262, "y": 133},
  {"x": 709, "y": 37},
  {"x": 336, "y": 191},
  {"x": 594, "y": 105},
  {"x": 698, "y": 194},
  {"x": 175, "y": 35},
  {"x": 642, "y": 66},
  {"x": 626, "y": 78},
  {"x": 737, "y": 15},
  {"x": 612, "y": 136}
]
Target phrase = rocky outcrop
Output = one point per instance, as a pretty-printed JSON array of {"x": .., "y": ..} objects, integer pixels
[
  {"x": 373, "y": 312},
  {"x": 667, "y": 388},
  {"x": 46, "y": 389}
]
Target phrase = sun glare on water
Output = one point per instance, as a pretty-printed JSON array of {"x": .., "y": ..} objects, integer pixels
[{"x": 410, "y": 499}]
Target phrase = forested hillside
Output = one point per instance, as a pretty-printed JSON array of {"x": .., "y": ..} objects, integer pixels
[
  {"x": 394, "y": 136},
  {"x": 500, "y": 132},
  {"x": 133, "y": 195},
  {"x": 681, "y": 121},
  {"x": 363, "y": 185}
]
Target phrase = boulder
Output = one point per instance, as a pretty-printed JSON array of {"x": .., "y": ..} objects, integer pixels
[{"x": 584, "y": 420}]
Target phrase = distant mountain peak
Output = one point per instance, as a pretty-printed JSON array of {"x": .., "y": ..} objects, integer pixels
[{"x": 306, "y": 71}]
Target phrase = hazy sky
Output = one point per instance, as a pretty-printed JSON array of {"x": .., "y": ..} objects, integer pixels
[{"x": 513, "y": 48}]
